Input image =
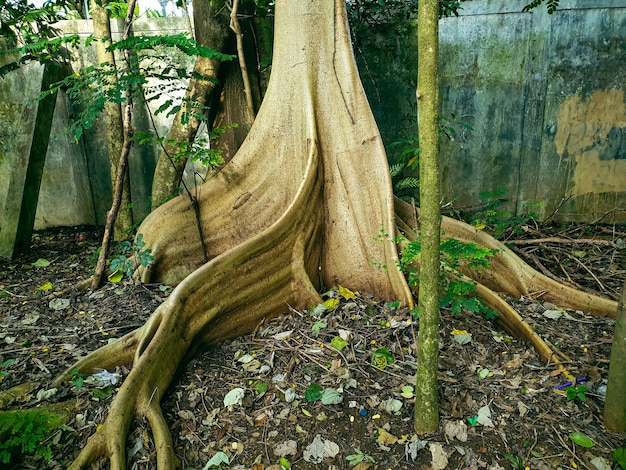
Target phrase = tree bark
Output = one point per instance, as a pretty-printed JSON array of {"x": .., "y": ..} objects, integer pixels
[
  {"x": 113, "y": 120},
  {"x": 297, "y": 209},
  {"x": 211, "y": 26},
  {"x": 426, "y": 416},
  {"x": 615, "y": 404}
]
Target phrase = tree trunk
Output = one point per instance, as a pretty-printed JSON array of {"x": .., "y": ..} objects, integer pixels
[
  {"x": 426, "y": 392},
  {"x": 211, "y": 26},
  {"x": 113, "y": 119},
  {"x": 615, "y": 404},
  {"x": 297, "y": 208}
]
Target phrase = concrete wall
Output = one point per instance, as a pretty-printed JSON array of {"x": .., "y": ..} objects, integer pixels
[
  {"x": 76, "y": 184},
  {"x": 545, "y": 95}
]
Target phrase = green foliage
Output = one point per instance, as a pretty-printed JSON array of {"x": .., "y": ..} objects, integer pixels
[
  {"x": 4, "y": 365},
  {"x": 26, "y": 432},
  {"x": 381, "y": 358},
  {"x": 619, "y": 455},
  {"x": 128, "y": 257},
  {"x": 517, "y": 462},
  {"x": 313, "y": 392},
  {"x": 77, "y": 379},
  {"x": 491, "y": 216},
  {"x": 180, "y": 41},
  {"x": 370, "y": 17},
  {"x": 406, "y": 161},
  {"x": 551, "y": 5},
  {"x": 359, "y": 457},
  {"x": 457, "y": 292},
  {"x": 118, "y": 10},
  {"x": 157, "y": 74},
  {"x": 30, "y": 32},
  {"x": 575, "y": 392},
  {"x": 201, "y": 150}
]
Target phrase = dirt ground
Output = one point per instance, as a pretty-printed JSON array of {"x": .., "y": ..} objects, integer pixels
[{"x": 286, "y": 392}]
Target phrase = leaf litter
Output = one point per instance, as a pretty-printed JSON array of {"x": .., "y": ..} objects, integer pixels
[{"x": 359, "y": 353}]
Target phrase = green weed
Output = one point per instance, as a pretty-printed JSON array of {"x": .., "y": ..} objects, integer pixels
[
  {"x": 492, "y": 217},
  {"x": 128, "y": 257},
  {"x": 457, "y": 292},
  {"x": 576, "y": 392},
  {"x": 27, "y": 433},
  {"x": 359, "y": 457},
  {"x": 5, "y": 365}
]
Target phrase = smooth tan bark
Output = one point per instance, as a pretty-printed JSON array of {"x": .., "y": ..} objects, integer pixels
[
  {"x": 297, "y": 208},
  {"x": 426, "y": 414}
]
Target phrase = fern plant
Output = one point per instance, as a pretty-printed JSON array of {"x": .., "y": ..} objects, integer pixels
[
  {"x": 406, "y": 162},
  {"x": 456, "y": 290},
  {"x": 27, "y": 433}
]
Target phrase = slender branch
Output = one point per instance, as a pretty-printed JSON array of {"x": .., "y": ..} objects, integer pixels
[
  {"x": 567, "y": 241},
  {"x": 98, "y": 276},
  {"x": 234, "y": 25}
]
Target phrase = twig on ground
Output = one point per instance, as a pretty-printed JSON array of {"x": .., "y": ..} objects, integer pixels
[{"x": 568, "y": 241}]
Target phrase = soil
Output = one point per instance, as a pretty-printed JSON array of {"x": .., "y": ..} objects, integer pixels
[{"x": 500, "y": 405}]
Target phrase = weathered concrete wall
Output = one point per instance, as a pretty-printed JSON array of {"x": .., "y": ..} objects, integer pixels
[
  {"x": 545, "y": 96},
  {"x": 76, "y": 184}
]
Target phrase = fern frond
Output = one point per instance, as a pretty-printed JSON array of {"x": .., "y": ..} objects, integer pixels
[
  {"x": 180, "y": 41},
  {"x": 410, "y": 182},
  {"x": 396, "y": 169}
]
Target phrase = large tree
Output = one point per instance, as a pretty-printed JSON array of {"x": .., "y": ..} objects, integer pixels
[{"x": 300, "y": 207}]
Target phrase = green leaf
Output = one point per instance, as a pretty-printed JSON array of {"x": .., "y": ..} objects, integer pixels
[
  {"x": 116, "y": 276},
  {"x": 102, "y": 393},
  {"x": 483, "y": 373},
  {"x": 318, "y": 326},
  {"x": 330, "y": 396},
  {"x": 473, "y": 420},
  {"x": 619, "y": 455},
  {"x": 41, "y": 263},
  {"x": 581, "y": 439},
  {"x": 261, "y": 387},
  {"x": 407, "y": 391},
  {"x": 283, "y": 462},
  {"x": 313, "y": 393},
  {"x": 217, "y": 460},
  {"x": 382, "y": 358},
  {"x": 338, "y": 343}
]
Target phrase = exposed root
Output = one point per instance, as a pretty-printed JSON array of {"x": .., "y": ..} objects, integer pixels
[
  {"x": 116, "y": 353},
  {"x": 509, "y": 274},
  {"x": 206, "y": 308}
]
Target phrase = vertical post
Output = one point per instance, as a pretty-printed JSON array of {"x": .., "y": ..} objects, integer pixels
[{"x": 21, "y": 202}]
